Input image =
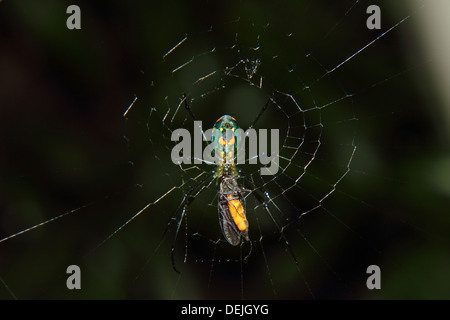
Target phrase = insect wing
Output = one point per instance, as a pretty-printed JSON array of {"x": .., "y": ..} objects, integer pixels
[{"x": 229, "y": 229}]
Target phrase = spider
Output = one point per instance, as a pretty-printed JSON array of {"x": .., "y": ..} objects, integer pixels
[{"x": 231, "y": 195}]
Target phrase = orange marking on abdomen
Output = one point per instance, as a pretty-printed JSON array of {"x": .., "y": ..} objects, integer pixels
[{"x": 237, "y": 212}]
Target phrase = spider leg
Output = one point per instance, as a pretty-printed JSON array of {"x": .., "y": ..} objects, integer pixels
[
  {"x": 264, "y": 199},
  {"x": 191, "y": 113},
  {"x": 188, "y": 198},
  {"x": 262, "y": 110},
  {"x": 188, "y": 108}
]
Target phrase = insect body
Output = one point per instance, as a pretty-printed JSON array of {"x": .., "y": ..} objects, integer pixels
[
  {"x": 233, "y": 221},
  {"x": 231, "y": 200}
]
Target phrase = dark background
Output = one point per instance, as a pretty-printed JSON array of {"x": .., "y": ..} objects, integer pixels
[{"x": 62, "y": 98}]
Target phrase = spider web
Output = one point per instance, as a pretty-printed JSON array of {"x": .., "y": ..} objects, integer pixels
[
  {"x": 304, "y": 179},
  {"x": 325, "y": 83}
]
